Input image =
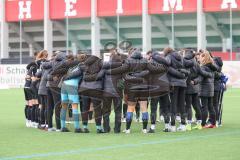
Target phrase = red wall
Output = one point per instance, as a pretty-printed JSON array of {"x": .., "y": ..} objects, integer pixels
[
  {"x": 58, "y": 7},
  {"x": 215, "y": 5},
  {"x": 12, "y": 10},
  {"x": 225, "y": 55},
  {"x": 156, "y": 6},
  {"x": 109, "y": 7},
  {"x": 105, "y": 8}
]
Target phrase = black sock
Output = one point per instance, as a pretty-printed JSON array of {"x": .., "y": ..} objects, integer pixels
[
  {"x": 25, "y": 111},
  {"x": 29, "y": 112},
  {"x": 128, "y": 124},
  {"x": 145, "y": 123},
  {"x": 38, "y": 115},
  {"x": 145, "y": 119},
  {"x": 42, "y": 115},
  {"x": 33, "y": 113},
  {"x": 90, "y": 115}
]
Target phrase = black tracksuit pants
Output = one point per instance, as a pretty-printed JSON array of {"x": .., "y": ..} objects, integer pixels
[
  {"x": 43, "y": 110},
  {"x": 106, "y": 111},
  {"x": 85, "y": 109},
  {"x": 164, "y": 107},
  {"x": 97, "y": 105},
  {"x": 207, "y": 107},
  {"x": 177, "y": 97},
  {"x": 193, "y": 100},
  {"x": 216, "y": 103},
  {"x": 54, "y": 103}
]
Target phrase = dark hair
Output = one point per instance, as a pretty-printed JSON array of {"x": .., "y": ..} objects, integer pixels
[
  {"x": 70, "y": 57},
  {"x": 201, "y": 51}
]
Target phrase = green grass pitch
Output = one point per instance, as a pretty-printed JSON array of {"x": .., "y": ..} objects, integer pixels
[{"x": 19, "y": 142}]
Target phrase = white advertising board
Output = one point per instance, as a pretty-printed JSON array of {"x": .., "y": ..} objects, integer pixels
[{"x": 13, "y": 76}]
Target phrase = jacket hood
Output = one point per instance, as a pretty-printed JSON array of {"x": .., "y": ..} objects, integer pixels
[
  {"x": 136, "y": 55},
  {"x": 189, "y": 54},
  {"x": 47, "y": 65},
  {"x": 60, "y": 56},
  {"x": 176, "y": 55},
  {"x": 91, "y": 59}
]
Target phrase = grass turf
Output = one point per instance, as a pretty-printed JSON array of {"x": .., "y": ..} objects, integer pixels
[{"x": 19, "y": 142}]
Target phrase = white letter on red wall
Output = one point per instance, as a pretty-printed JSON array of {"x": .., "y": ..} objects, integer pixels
[
  {"x": 69, "y": 8},
  {"x": 171, "y": 4},
  {"x": 226, "y": 3},
  {"x": 26, "y": 10}
]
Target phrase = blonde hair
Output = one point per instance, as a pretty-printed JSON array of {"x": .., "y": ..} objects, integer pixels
[
  {"x": 42, "y": 55},
  {"x": 205, "y": 58}
]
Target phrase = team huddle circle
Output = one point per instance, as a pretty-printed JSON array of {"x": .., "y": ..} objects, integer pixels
[{"x": 83, "y": 88}]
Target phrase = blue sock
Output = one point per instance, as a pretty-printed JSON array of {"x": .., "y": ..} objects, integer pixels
[
  {"x": 145, "y": 116},
  {"x": 129, "y": 120},
  {"x": 85, "y": 126},
  {"x": 145, "y": 119},
  {"x": 76, "y": 118},
  {"x": 63, "y": 117},
  {"x": 129, "y": 116}
]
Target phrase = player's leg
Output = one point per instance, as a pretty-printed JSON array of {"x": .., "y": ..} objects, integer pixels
[
  {"x": 164, "y": 105},
  {"x": 85, "y": 112},
  {"x": 129, "y": 115},
  {"x": 106, "y": 110},
  {"x": 197, "y": 109},
  {"x": 97, "y": 105},
  {"x": 181, "y": 105},
  {"x": 188, "y": 101},
  {"x": 50, "y": 109},
  {"x": 204, "y": 106},
  {"x": 117, "y": 102},
  {"x": 145, "y": 116},
  {"x": 153, "y": 114},
  {"x": 173, "y": 107}
]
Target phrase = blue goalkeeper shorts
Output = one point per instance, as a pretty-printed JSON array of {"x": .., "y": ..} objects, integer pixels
[{"x": 69, "y": 94}]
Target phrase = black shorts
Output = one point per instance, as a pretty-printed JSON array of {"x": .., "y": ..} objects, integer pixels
[
  {"x": 134, "y": 96},
  {"x": 34, "y": 93},
  {"x": 28, "y": 94}
]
